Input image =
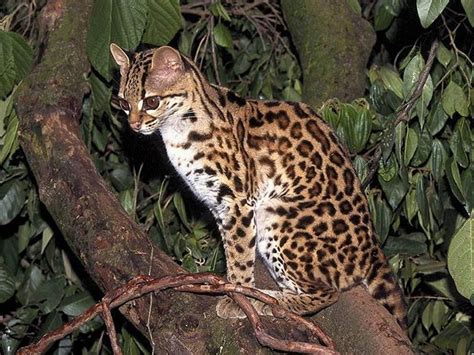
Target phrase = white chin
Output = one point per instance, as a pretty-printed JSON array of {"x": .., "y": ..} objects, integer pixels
[{"x": 146, "y": 132}]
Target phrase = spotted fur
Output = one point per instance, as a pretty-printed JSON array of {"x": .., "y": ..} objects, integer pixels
[{"x": 275, "y": 178}]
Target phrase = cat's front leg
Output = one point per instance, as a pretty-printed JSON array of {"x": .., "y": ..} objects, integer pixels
[{"x": 238, "y": 231}]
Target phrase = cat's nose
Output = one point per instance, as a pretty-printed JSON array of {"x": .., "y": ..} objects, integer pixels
[
  {"x": 135, "y": 125},
  {"x": 135, "y": 121}
]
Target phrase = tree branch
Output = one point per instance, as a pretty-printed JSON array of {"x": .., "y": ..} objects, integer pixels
[
  {"x": 200, "y": 283},
  {"x": 404, "y": 112},
  {"x": 333, "y": 46}
]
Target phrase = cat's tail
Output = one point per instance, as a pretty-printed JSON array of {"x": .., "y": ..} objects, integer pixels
[{"x": 383, "y": 286}]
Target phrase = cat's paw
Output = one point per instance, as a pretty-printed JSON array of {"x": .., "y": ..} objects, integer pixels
[{"x": 226, "y": 308}]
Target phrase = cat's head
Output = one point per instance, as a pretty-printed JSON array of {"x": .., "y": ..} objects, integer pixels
[{"x": 154, "y": 87}]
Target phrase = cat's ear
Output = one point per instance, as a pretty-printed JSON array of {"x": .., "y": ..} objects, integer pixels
[
  {"x": 120, "y": 57},
  {"x": 167, "y": 64}
]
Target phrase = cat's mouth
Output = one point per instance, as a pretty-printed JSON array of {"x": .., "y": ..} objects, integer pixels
[{"x": 145, "y": 127}]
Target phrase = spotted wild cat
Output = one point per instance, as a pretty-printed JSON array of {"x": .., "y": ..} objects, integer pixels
[{"x": 274, "y": 176}]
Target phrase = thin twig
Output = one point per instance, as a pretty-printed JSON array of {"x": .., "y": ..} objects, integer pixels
[
  {"x": 148, "y": 327},
  {"x": 199, "y": 283},
  {"x": 213, "y": 53},
  {"x": 403, "y": 114},
  {"x": 109, "y": 324},
  {"x": 373, "y": 166},
  {"x": 438, "y": 298}
]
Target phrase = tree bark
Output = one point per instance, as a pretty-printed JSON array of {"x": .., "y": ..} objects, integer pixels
[
  {"x": 110, "y": 245},
  {"x": 333, "y": 45}
]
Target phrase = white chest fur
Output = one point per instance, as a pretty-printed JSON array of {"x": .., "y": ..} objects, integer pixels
[{"x": 191, "y": 169}]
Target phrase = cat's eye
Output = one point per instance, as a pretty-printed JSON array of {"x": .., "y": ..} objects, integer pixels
[
  {"x": 124, "y": 105},
  {"x": 151, "y": 103}
]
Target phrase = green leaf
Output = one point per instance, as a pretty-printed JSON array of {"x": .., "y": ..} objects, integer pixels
[
  {"x": 383, "y": 15},
  {"x": 242, "y": 65},
  {"x": 99, "y": 37},
  {"x": 126, "y": 199},
  {"x": 411, "y": 76},
  {"x": 121, "y": 178},
  {"x": 423, "y": 150},
  {"x": 454, "y": 100},
  {"x": 52, "y": 322},
  {"x": 7, "y": 284},
  {"x": 427, "y": 316},
  {"x": 222, "y": 36},
  {"x": 400, "y": 133},
  {"x": 429, "y": 10},
  {"x": 436, "y": 119},
  {"x": 179, "y": 247},
  {"x": 407, "y": 245},
  {"x": 6, "y": 109},
  {"x": 457, "y": 145},
  {"x": 437, "y": 159},
  {"x": 9, "y": 254},
  {"x": 18, "y": 327},
  {"x": 12, "y": 199},
  {"x": 118, "y": 21},
  {"x": 444, "y": 287},
  {"x": 129, "y": 346},
  {"x": 388, "y": 170},
  {"x": 468, "y": 6},
  {"x": 181, "y": 209},
  {"x": 450, "y": 336},
  {"x": 218, "y": 10},
  {"x": 456, "y": 175},
  {"x": 422, "y": 201},
  {"x": 76, "y": 304},
  {"x": 49, "y": 294},
  {"x": 440, "y": 315},
  {"x": 454, "y": 179},
  {"x": 361, "y": 167},
  {"x": 411, "y": 143},
  {"x": 25, "y": 232},
  {"x": 382, "y": 216},
  {"x": 356, "y": 122},
  {"x": 189, "y": 264},
  {"x": 461, "y": 258},
  {"x": 395, "y": 190},
  {"x": 330, "y": 112},
  {"x": 8, "y": 74},
  {"x": 290, "y": 94},
  {"x": 443, "y": 55},
  {"x": 101, "y": 95},
  {"x": 46, "y": 238},
  {"x": 16, "y": 59},
  {"x": 410, "y": 204},
  {"x": 467, "y": 177},
  {"x": 10, "y": 139},
  {"x": 355, "y": 6},
  {"x": 32, "y": 280},
  {"x": 391, "y": 80},
  {"x": 163, "y": 22}
]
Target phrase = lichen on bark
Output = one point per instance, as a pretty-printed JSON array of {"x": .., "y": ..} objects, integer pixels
[{"x": 333, "y": 44}]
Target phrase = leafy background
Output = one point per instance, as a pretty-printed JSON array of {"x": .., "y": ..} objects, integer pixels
[{"x": 421, "y": 196}]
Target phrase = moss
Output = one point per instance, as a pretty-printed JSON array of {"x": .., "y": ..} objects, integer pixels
[
  {"x": 333, "y": 44},
  {"x": 56, "y": 76},
  {"x": 223, "y": 342}
]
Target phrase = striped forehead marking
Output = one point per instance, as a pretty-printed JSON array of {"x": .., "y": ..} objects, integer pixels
[{"x": 136, "y": 76}]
